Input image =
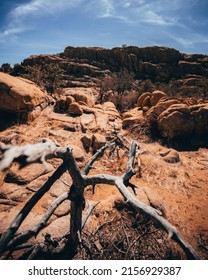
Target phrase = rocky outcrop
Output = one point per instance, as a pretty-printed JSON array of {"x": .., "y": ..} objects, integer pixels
[
  {"x": 20, "y": 95},
  {"x": 149, "y": 99},
  {"x": 82, "y": 66},
  {"x": 176, "y": 121},
  {"x": 84, "y": 95},
  {"x": 178, "y": 117}
]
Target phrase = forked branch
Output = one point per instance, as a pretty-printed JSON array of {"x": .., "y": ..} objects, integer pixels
[{"x": 80, "y": 181}]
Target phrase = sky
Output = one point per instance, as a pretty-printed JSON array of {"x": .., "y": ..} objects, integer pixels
[{"x": 29, "y": 27}]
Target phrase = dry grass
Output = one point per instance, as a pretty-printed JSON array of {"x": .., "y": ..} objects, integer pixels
[{"x": 126, "y": 234}]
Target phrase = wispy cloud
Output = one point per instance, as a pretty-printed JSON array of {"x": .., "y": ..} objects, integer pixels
[
  {"x": 190, "y": 42},
  {"x": 20, "y": 16},
  {"x": 43, "y": 6},
  {"x": 108, "y": 8},
  {"x": 141, "y": 21}
]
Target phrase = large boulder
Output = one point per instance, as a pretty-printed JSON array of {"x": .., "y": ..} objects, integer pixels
[
  {"x": 149, "y": 99},
  {"x": 163, "y": 104},
  {"x": 20, "y": 95},
  {"x": 200, "y": 116},
  {"x": 176, "y": 121},
  {"x": 84, "y": 95}
]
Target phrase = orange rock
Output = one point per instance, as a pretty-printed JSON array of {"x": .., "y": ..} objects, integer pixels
[
  {"x": 98, "y": 141},
  {"x": 18, "y": 95},
  {"x": 176, "y": 121},
  {"x": 156, "y": 96},
  {"x": 75, "y": 109},
  {"x": 142, "y": 97}
]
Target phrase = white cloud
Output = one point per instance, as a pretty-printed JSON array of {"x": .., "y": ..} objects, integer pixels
[
  {"x": 152, "y": 17},
  {"x": 43, "y": 6},
  {"x": 189, "y": 42},
  {"x": 20, "y": 16},
  {"x": 108, "y": 8},
  {"x": 11, "y": 32}
]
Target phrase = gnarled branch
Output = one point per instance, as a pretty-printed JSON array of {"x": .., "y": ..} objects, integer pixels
[{"x": 76, "y": 194}]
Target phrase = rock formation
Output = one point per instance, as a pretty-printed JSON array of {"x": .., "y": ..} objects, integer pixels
[
  {"x": 20, "y": 95},
  {"x": 83, "y": 67},
  {"x": 171, "y": 181}
]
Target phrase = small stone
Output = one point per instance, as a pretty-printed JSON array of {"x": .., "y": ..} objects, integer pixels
[
  {"x": 75, "y": 109},
  {"x": 98, "y": 141},
  {"x": 87, "y": 142}
]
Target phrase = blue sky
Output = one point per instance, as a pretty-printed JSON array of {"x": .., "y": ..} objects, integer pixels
[{"x": 48, "y": 26}]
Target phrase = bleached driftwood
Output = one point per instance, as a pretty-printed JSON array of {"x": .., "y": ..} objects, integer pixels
[{"x": 76, "y": 193}]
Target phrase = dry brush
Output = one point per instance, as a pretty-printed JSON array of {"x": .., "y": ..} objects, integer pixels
[{"x": 67, "y": 248}]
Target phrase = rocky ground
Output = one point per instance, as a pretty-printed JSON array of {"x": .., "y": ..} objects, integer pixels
[{"x": 172, "y": 181}]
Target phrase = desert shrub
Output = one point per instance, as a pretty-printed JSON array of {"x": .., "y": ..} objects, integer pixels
[
  {"x": 119, "y": 89},
  {"x": 47, "y": 76}
]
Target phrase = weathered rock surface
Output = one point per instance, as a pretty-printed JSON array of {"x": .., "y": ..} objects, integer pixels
[
  {"x": 170, "y": 156},
  {"x": 81, "y": 66},
  {"x": 75, "y": 109},
  {"x": 178, "y": 117},
  {"x": 85, "y": 95},
  {"x": 176, "y": 121},
  {"x": 98, "y": 141},
  {"x": 25, "y": 175},
  {"x": 20, "y": 95}
]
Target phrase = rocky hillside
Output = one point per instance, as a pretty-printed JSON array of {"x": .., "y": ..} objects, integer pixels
[
  {"x": 172, "y": 178},
  {"x": 175, "y": 72}
]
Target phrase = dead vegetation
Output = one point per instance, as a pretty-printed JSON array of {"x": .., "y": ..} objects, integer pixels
[
  {"x": 68, "y": 246},
  {"x": 127, "y": 234}
]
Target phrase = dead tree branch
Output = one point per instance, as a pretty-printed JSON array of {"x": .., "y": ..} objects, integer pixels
[
  {"x": 37, "y": 228},
  {"x": 76, "y": 194},
  {"x": 9, "y": 233}
]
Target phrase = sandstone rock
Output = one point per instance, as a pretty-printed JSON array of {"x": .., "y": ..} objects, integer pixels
[
  {"x": 133, "y": 117},
  {"x": 61, "y": 106},
  {"x": 87, "y": 120},
  {"x": 87, "y": 141},
  {"x": 200, "y": 116},
  {"x": 20, "y": 95},
  {"x": 60, "y": 133},
  {"x": 146, "y": 102},
  {"x": 69, "y": 100},
  {"x": 81, "y": 94},
  {"x": 190, "y": 101},
  {"x": 145, "y": 109},
  {"x": 128, "y": 122},
  {"x": 14, "y": 192},
  {"x": 25, "y": 175},
  {"x": 98, "y": 141},
  {"x": 102, "y": 120},
  {"x": 108, "y": 105},
  {"x": 170, "y": 156},
  {"x": 156, "y": 96},
  {"x": 57, "y": 228},
  {"x": 63, "y": 209},
  {"x": 75, "y": 109},
  {"x": 82, "y": 103},
  {"x": 164, "y": 103},
  {"x": 78, "y": 153},
  {"x": 127, "y": 115},
  {"x": 176, "y": 121},
  {"x": 142, "y": 97},
  {"x": 190, "y": 67}
]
